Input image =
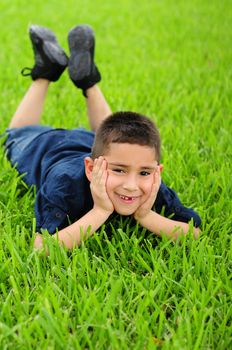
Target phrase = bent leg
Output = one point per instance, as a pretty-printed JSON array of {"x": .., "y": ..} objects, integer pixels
[
  {"x": 97, "y": 107},
  {"x": 84, "y": 73},
  {"x": 30, "y": 108},
  {"x": 50, "y": 62}
]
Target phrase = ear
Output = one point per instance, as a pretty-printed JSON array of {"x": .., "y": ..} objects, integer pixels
[
  {"x": 161, "y": 168},
  {"x": 88, "y": 167}
]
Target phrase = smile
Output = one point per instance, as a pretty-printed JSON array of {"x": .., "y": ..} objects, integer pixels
[{"x": 127, "y": 199}]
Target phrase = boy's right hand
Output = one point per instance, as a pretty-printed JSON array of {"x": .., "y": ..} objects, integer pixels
[{"x": 98, "y": 186}]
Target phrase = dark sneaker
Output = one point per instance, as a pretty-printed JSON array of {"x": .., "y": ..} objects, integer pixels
[
  {"x": 82, "y": 70},
  {"x": 50, "y": 58}
]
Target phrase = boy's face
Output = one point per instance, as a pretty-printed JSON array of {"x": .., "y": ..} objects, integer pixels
[{"x": 131, "y": 169}]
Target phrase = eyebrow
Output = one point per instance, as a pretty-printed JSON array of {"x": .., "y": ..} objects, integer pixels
[{"x": 127, "y": 166}]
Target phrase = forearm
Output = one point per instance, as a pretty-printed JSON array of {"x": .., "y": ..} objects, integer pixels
[
  {"x": 82, "y": 229},
  {"x": 163, "y": 226}
]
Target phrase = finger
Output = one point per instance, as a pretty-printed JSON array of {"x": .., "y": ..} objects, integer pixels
[
  {"x": 97, "y": 168},
  {"x": 157, "y": 177},
  {"x": 99, "y": 174},
  {"x": 156, "y": 184},
  {"x": 38, "y": 242}
]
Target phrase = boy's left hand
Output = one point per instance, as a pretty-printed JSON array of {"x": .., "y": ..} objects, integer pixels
[
  {"x": 146, "y": 207},
  {"x": 38, "y": 243}
]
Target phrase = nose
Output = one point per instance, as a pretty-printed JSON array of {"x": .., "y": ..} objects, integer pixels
[{"x": 130, "y": 183}]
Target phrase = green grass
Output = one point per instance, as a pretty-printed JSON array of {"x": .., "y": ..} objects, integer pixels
[{"x": 172, "y": 61}]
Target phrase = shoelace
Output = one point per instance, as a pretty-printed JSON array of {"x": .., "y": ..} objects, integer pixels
[{"x": 26, "y": 71}]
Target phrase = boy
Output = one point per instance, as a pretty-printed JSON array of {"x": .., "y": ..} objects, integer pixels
[{"x": 79, "y": 179}]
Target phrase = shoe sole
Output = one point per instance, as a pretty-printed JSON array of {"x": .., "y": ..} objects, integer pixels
[
  {"x": 51, "y": 47},
  {"x": 81, "y": 42}
]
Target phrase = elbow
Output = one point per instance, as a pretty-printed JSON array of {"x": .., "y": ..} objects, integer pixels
[{"x": 196, "y": 232}]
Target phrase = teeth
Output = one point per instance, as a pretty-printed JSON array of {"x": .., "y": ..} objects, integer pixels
[{"x": 126, "y": 198}]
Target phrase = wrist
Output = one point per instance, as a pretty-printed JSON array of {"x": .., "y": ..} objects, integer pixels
[
  {"x": 143, "y": 218},
  {"x": 102, "y": 213}
]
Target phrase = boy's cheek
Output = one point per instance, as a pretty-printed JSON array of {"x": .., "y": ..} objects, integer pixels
[
  {"x": 109, "y": 184},
  {"x": 147, "y": 189}
]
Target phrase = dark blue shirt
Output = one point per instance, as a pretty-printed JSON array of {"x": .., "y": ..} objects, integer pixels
[{"x": 53, "y": 161}]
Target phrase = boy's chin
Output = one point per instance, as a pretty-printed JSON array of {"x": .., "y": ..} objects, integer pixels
[{"x": 124, "y": 212}]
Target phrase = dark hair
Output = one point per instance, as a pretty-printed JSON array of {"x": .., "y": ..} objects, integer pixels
[{"x": 126, "y": 127}]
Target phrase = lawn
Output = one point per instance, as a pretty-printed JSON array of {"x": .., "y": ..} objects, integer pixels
[{"x": 170, "y": 60}]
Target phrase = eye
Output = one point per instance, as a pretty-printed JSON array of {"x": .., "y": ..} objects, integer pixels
[
  {"x": 118, "y": 170},
  {"x": 145, "y": 173}
]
